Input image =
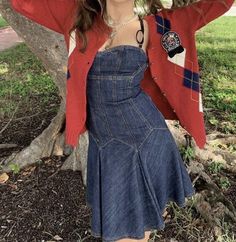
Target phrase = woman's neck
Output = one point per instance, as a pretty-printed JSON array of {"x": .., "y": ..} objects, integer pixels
[{"x": 120, "y": 10}]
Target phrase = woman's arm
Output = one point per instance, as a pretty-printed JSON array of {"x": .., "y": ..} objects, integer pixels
[
  {"x": 200, "y": 13},
  {"x": 52, "y": 14}
]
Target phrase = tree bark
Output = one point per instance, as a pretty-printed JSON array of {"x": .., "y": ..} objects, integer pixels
[{"x": 50, "y": 48}]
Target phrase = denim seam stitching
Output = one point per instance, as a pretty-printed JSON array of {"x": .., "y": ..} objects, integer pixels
[
  {"x": 113, "y": 90},
  {"x": 121, "y": 141},
  {"x": 104, "y": 114},
  {"x": 139, "y": 147},
  {"x": 128, "y": 88},
  {"x": 120, "y": 54},
  {"x": 154, "y": 199},
  {"x": 108, "y": 125},
  {"x": 145, "y": 139},
  {"x": 153, "y": 105},
  {"x": 94, "y": 138},
  {"x": 140, "y": 114},
  {"x": 137, "y": 71},
  {"x": 94, "y": 135},
  {"x": 110, "y": 77},
  {"x": 132, "y": 137}
]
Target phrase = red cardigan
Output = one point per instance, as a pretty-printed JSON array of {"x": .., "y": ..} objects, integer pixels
[{"x": 173, "y": 82}]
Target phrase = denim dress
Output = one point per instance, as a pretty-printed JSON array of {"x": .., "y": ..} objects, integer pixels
[{"x": 134, "y": 166}]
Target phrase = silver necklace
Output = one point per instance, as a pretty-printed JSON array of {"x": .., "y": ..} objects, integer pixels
[
  {"x": 115, "y": 27},
  {"x": 110, "y": 22}
]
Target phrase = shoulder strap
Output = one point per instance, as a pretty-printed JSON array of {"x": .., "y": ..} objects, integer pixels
[{"x": 142, "y": 30}]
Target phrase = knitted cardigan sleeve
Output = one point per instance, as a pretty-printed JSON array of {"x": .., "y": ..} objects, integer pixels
[
  {"x": 199, "y": 13},
  {"x": 52, "y": 14}
]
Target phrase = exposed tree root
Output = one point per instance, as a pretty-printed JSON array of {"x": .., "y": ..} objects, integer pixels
[{"x": 49, "y": 142}]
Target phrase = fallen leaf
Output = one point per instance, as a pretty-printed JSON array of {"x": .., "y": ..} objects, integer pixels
[{"x": 3, "y": 177}]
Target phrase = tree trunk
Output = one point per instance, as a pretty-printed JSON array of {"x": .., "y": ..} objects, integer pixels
[{"x": 50, "y": 48}]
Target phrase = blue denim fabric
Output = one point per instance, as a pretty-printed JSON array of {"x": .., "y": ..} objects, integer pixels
[{"x": 134, "y": 166}]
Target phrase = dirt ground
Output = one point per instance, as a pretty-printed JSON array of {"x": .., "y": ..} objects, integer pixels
[{"x": 44, "y": 203}]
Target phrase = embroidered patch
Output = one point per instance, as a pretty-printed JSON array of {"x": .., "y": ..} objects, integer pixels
[{"x": 170, "y": 41}]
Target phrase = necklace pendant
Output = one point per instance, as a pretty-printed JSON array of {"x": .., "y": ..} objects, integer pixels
[{"x": 113, "y": 33}]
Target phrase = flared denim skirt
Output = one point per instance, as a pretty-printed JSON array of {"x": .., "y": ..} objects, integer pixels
[{"x": 134, "y": 166}]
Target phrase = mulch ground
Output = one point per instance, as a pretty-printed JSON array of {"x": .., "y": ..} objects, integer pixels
[
  {"x": 41, "y": 202},
  {"x": 44, "y": 203}
]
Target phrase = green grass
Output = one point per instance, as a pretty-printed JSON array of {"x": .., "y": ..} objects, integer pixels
[
  {"x": 216, "y": 44},
  {"x": 3, "y": 22},
  {"x": 23, "y": 79}
]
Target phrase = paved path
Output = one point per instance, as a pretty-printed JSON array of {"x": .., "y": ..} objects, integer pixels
[{"x": 8, "y": 38}]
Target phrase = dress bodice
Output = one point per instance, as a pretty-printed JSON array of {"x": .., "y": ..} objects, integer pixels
[
  {"x": 122, "y": 60},
  {"x": 117, "y": 73}
]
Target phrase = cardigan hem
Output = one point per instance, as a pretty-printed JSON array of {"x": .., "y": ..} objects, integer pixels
[{"x": 72, "y": 138}]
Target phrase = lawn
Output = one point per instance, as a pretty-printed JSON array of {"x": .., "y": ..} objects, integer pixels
[
  {"x": 216, "y": 44},
  {"x": 3, "y": 22}
]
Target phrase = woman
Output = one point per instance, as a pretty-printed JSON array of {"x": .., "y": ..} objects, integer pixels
[
  {"x": 134, "y": 166},
  {"x": 131, "y": 150}
]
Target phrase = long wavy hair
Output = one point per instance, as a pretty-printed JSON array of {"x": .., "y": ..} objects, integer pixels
[{"x": 88, "y": 9}]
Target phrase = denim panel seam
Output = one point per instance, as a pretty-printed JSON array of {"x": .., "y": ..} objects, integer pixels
[
  {"x": 149, "y": 135},
  {"x": 142, "y": 67},
  {"x": 131, "y": 135},
  {"x": 104, "y": 114},
  {"x": 153, "y": 105},
  {"x": 119, "y": 140},
  {"x": 140, "y": 113}
]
